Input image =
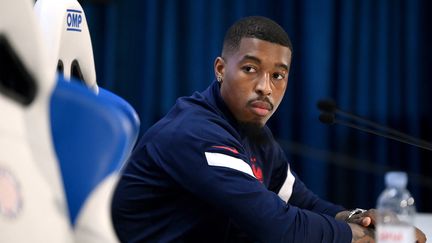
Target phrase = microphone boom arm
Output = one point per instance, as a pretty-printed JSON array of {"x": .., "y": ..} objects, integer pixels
[
  {"x": 416, "y": 142},
  {"x": 329, "y": 109}
]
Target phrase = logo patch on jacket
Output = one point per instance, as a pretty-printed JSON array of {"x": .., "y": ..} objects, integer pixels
[{"x": 256, "y": 170}]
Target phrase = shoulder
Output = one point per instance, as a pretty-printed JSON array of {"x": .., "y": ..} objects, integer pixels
[
  {"x": 191, "y": 124},
  {"x": 185, "y": 140}
]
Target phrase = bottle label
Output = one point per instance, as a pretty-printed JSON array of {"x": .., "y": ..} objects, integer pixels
[{"x": 395, "y": 234}]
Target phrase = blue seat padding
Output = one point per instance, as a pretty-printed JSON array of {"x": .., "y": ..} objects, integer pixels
[{"x": 92, "y": 134}]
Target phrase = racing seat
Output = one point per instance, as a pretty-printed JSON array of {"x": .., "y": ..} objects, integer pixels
[
  {"x": 94, "y": 132},
  {"x": 66, "y": 33},
  {"x": 32, "y": 200}
]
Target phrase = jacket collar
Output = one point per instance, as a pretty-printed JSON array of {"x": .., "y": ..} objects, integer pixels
[{"x": 213, "y": 94}]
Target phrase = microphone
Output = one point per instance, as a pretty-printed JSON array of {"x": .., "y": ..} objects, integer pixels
[
  {"x": 329, "y": 106},
  {"x": 329, "y": 109}
]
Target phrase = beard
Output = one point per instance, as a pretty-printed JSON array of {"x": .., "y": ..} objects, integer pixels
[{"x": 254, "y": 132}]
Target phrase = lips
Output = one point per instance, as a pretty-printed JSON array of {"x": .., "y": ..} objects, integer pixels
[{"x": 261, "y": 108}]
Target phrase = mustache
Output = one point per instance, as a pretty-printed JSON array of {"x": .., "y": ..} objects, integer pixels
[{"x": 262, "y": 99}]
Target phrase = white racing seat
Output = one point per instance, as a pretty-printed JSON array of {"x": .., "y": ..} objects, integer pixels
[
  {"x": 32, "y": 201},
  {"x": 66, "y": 33},
  {"x": 93, "y": 134}
]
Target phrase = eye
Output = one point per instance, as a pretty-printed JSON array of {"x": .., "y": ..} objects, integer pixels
[
  {"x": 249, "y": 69},
  {"x": 278, "y": 76}
]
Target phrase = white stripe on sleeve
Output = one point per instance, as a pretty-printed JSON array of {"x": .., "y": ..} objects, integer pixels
[
  {"x": 223, "y": 160},
  {"x": 286, "y": 189}
]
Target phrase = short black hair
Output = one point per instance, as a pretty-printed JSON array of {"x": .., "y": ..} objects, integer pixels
[{"x": 255, "y": 27}]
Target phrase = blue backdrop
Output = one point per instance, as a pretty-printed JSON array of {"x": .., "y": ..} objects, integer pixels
[{"x": 372, "y": 57}]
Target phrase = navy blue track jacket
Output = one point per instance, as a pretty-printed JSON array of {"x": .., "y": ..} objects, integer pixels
[{"x": 196, "y": 177}]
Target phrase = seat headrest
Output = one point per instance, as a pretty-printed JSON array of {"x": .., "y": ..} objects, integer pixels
[
  {"x": 65, "y": 31},
  {"x": 23, "y": 61}
]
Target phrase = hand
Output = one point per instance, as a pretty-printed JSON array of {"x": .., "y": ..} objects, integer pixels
[
  {"x": 362, "y": 234},
  {"x": 368, "y": 219}
]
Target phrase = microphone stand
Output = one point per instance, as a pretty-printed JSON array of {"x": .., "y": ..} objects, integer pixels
[{"x": 329, "y": 110}]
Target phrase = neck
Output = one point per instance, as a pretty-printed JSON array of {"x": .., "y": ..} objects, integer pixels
[{"x": 253, "y": 131}]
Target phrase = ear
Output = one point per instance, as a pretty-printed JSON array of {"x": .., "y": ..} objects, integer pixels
[{"x": 219, "y": 67}]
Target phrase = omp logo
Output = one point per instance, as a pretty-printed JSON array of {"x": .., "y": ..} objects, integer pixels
[{"x": 73, "y": 20}]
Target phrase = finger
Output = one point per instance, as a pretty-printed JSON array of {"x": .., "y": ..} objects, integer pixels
[
  {"x": 372, "y": 214},
  {"x": 420, "y": 236},
  {"x": 361, "y": 220},
  {"x": 366, "y": 221}
]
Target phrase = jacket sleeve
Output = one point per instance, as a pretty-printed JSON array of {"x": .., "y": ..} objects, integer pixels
[
  {"x": 305, "y": 198},
  {"x": 292, "y": 190},
  {"x": 223, "y": 180}
]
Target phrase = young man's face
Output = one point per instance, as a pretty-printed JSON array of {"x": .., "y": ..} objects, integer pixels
[{"x": 254, "y": 79}]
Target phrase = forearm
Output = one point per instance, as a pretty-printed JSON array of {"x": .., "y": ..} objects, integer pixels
[{"x": 304, "y": 198}]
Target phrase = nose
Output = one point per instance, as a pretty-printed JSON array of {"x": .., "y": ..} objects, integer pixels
[{"x": 263, "y": 87}]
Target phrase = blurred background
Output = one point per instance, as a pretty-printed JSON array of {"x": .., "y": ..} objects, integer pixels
[{"x": 374, "y": 58}]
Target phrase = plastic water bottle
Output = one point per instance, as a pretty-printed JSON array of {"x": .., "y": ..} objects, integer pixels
[{"x": 396, "y": 211}]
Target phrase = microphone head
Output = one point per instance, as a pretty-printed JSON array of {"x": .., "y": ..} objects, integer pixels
[
  {"x": 327, "y": 118},
  {"x": 326, "y": 105}
]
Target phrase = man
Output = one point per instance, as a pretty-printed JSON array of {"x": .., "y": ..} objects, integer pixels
[{"x": 210, "y": 170}]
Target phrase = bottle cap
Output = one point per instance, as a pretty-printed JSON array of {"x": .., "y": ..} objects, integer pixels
[{"x": 398, "y": 179}]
